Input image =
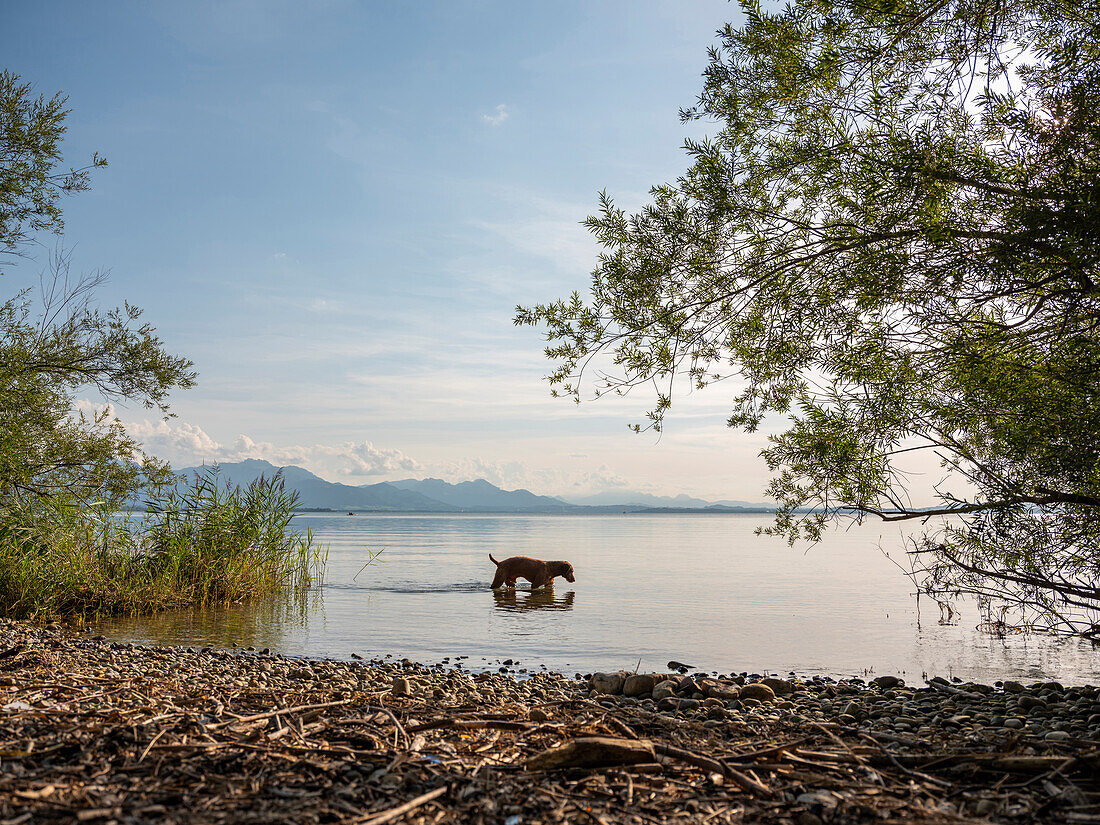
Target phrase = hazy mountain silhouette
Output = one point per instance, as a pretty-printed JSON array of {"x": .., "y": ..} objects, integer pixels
[
  {"x": 431, "y": 495},
  {"x": 681, "y": 501},
  {"x": 481, "y": 495},
  {"x": 316, "y": 492}
]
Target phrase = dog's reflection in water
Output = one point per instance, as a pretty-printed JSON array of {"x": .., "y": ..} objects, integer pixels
[{"x": 509, "y": 598}]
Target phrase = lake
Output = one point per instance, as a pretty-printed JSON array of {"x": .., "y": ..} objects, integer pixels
[{"x": 700, "y": 589}]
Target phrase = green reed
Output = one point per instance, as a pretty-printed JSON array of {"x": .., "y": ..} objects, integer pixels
[{"x": 203, "y": 544}]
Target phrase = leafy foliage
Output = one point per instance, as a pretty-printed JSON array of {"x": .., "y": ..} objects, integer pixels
[
  {"x": 48, "y": 350},
  {"x": 30, "y": 135},
  {"x": 56, "y": 342},
  {"x": 892, "y": 238},
  {"x": 66, "y": 467}
]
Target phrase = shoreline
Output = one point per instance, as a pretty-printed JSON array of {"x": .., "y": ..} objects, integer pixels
[{"x": 117, "y": 731}]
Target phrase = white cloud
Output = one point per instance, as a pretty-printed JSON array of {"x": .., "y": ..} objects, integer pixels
[
  {"x": 172, "y": 438},
  {"x": 185, "y": 444},
  {"x": 500, "y": 116}
]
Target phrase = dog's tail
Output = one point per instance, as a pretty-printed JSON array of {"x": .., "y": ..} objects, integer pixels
[{"x": 494, "y": 561}]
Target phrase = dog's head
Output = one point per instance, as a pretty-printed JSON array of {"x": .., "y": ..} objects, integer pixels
[{"x": 565, "y": 570}]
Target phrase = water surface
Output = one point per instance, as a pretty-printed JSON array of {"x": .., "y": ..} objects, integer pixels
[{"x": 701, "y": 589}]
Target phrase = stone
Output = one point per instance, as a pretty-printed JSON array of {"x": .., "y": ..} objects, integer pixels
[
  {"x": 1013, "y": 687},
  {"x": 607, "y": 683},
  {"x": 1057, "y": 736},
  {"x": 889, "y": 682},
  {"x": 759, "y": 692},
  {"x": 662, "y": 690},
  {"x": 538, "y": 715},
  {"x": 1031, "y": 703},
  {"x": 687, "y": 685},
  {"x": 724, "y": 692},
  {"x": 641, "y": 684},
  {"x": 780, "y": 687},
  {"x": 984, "y": 807},
  {"x": 672, "y": 703},
  {"x": 1014, "y": 723},
  {"x": 400, "y": 687}
]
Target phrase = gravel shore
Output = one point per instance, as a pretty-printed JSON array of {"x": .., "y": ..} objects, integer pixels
[{"x": 105, "y": 731}]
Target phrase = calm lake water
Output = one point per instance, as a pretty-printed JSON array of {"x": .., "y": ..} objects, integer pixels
[{"x": 701, "y": 589}]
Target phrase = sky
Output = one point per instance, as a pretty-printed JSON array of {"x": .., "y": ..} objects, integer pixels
[{"x": 333, "y": 209}]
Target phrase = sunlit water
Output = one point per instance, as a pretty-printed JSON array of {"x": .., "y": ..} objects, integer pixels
[{"x": 700, "y": 589}]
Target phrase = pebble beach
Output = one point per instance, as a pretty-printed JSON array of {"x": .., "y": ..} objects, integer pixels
[{"x": 116, "y": 732}]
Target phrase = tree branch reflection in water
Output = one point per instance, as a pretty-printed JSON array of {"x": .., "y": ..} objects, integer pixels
[{"x": 510, "y": 599}]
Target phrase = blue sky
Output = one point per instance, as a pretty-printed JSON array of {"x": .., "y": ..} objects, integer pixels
[{"x": 333, "y": 209}]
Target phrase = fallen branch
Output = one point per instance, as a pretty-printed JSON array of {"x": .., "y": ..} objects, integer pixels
[
  {"x": 593, "y": 752},
  {"x": 954, "y": 691},
  {"x": 474, "y": 724}
]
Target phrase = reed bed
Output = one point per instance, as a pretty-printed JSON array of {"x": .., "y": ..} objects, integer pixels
[{"x": 205, "y": 543}]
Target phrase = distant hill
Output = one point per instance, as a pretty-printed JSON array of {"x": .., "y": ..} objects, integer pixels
[
  {"x": 680, "y": 502},
  {"x": 317, "y": 493},
  {"x": 432, "y": 495},
  {"x": 480, "y": 495},
  {"x": 713, "y": 508}
]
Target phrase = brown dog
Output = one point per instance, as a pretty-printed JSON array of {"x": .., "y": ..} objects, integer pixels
[{"x": 535, "y": 571}]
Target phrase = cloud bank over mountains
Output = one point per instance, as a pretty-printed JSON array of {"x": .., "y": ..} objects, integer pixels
[
  {"x": 436, "y": 495},
  {"x": 355, "y": 462},
  {"x": 184, "y": 443}
]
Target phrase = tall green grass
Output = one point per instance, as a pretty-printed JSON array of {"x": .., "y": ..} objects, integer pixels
[{"x": 203, "y": 544}]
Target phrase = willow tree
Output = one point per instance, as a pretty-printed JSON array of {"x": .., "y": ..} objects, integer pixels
[
  {"x": 54, "y": 343},
  {"x": 890, "y": 241}
]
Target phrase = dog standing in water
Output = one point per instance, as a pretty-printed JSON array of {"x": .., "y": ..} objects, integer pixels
[{"x": 535, "y": 571}]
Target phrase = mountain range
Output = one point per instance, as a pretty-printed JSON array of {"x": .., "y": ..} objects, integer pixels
[{"x": 432, "y": 495}]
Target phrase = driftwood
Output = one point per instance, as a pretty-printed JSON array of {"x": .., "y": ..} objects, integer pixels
[{"x": 593, "y": 752}]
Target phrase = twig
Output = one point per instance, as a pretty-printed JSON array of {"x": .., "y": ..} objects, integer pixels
[
  {"x": 621, "y": 726},
  {"x": 257, "y": 716},
  {"x": 766, "y": 752},
  {"x": 396, "y": 722},
  {"x": 149, "y": 747},
  {"x": 942, "y": 783},
  {"x": 863, "y": 762},
  {"x": 714, "y": 766},
  {"x": 393, "y": 813}
]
